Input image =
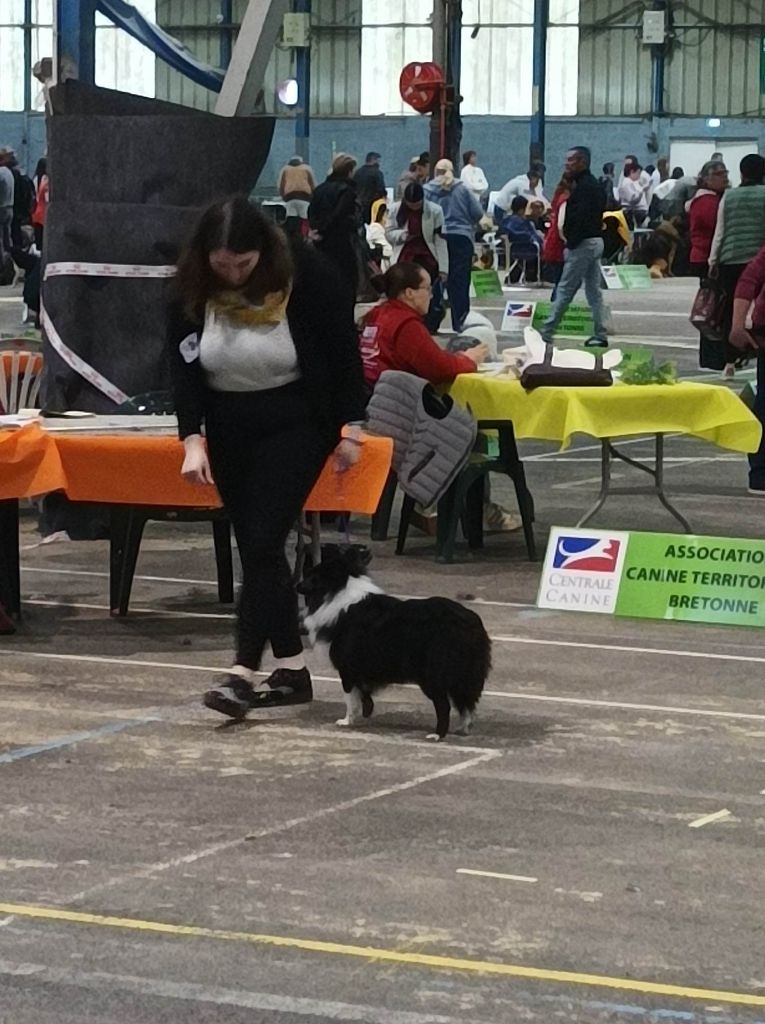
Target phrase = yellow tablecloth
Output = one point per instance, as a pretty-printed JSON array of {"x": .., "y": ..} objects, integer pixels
[{"x": 708, "y": 411}]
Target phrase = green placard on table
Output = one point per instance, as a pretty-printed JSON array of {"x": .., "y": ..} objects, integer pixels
[
  {"x": 685, "y": 578},
  {"x": 634, "y": 276},
  {"x": 576, "y": 322},
  {"x": 485, "y": 284}
]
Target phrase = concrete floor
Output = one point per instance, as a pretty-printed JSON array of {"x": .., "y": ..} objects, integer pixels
[{"x": 283, "y": 870}]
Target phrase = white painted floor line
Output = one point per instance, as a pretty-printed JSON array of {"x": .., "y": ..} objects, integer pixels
[
  {"x": 230, "y": 615},
  {"x": 662, "y": 709},
  {"x": 504, "y": 694},
  {"x": 669, "y": 652},
  {"x": 643, "y": 439},
  {"x": 105, "y": 575},
  {"x": 647, "y": 312},
  {"x": 167, "y": 613},
  {"x": 496, "y": 874},
  {"x": 219, "y": 1000},
  {"x": 679, "y": 459},
  {"x": 569, "y": 485},
  {"x": 709, "y": 818},
  {"x": 286, "y": 826},
  {"x": 651, "y": 341}
]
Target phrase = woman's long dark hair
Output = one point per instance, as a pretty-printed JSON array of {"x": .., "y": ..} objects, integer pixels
[
  {"x": 413, "y": 193},
  {"x": 240, "y": 226}
]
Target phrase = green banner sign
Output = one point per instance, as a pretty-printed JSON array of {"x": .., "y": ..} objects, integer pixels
[
  {"x": 576, "y": 322},
  {"x": 655, "y": 576},
  {"x": 634, "y": 276},
  {"x": 694, "y": 579},
  {"x": 629, "y": 277},
  {"x": 485, "y": 284}
]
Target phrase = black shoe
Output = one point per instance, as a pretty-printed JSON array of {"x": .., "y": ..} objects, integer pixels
[
  {"x": 233, "y": 697},
  {"x": 284, "y": 686},
  {"x": 595, "y": 343}
]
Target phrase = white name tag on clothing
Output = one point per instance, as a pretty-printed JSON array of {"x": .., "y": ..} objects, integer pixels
[{"x": 189, "y": 348}]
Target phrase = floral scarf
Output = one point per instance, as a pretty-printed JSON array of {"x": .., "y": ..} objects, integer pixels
[{"x": 234, "y": 306}]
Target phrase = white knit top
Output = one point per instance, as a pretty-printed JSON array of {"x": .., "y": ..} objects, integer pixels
[{"x": 237, "y": 358}]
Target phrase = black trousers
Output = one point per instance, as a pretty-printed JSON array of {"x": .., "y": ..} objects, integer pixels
[{"x": 266, "y": 452}]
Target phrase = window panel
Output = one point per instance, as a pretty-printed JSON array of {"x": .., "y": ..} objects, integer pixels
[
  {"x": 42, "y": 12},
  {"x": 12, "y": 69},
  {"x": 390, "y": 12},
  {"x": 498, "y": 12},
  {"x": 11, "y": 12},
  {"x": 562, "y": 70},
  {"x": 496, "y": 71},
  {"x": 42, "y": 46},
  {"x": 121, "y": 61},
  {"x": 564, "y": 12},
  {"x": 384, "y": 52}
]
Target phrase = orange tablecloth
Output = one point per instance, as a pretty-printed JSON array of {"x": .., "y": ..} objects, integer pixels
[
  {"x": 138, "y": 469},
  {"x": 29, "y": 464}
]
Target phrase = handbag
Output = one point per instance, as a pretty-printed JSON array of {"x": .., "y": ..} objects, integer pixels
[
  {"x": 545, "y": 375},
  {"x": 708, "y": 311}
]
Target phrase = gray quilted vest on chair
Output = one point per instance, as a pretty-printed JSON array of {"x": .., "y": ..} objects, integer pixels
[{"x": 432, "y": 436}]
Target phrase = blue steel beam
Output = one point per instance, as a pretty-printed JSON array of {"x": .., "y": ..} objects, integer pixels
[
  {"x": 226, "y": 33},
  {"x": 539, "y": 81},
  {"x": 76, "y": 40},
  {"x": 303, "y": 78}
]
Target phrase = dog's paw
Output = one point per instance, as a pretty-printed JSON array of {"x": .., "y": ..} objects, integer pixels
[
  {"x": 435, "y": 738},
  {"x": 367, "y": 706},
  {"x": 463, "y": 730},
  {"x": 343, "y": 722}
]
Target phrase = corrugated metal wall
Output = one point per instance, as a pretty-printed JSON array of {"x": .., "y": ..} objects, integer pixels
[
  {"x": 335, "y": 54},
  {"x": 614, "y": 66},
  {"x": 713, "y": 67}
]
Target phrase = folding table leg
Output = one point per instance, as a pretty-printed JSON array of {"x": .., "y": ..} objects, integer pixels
[
  {"x": 127, "y": 523},
  {"x": 10, "y": 581},
  {"x": 605, "y": 481},
  {"x": 659, "y": 477}
]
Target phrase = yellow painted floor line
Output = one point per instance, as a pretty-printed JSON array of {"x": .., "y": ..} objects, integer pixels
[{"x": 487, "y": 967}]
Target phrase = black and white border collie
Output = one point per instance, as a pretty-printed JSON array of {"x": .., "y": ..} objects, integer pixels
[{"x": 376, "y": 640}]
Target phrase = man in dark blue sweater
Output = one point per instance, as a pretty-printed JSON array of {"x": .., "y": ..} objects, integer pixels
[{"x": 580, "y": 221}]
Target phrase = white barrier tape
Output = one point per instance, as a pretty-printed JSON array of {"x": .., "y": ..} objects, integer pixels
[
  {"x": 107, "y": 270},
  {"x": 79, "y": 365}
]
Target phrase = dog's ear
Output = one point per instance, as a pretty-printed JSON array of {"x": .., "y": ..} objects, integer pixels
[
  {"x": 331, "y": 553},
  {"x": 356, "y": 559}
]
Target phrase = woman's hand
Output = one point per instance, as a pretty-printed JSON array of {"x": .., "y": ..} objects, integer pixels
[
  {"x": 347, "y": 454},
  {"x": 477, "y": 353},
  {"x": 740, "y": 338},
  {"x": 196, "y": 465}
]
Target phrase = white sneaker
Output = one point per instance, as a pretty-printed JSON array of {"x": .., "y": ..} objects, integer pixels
[{"x": 498, "y": 520}]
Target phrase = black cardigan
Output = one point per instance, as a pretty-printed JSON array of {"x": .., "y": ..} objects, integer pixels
[{"x": 319, "y": 314}]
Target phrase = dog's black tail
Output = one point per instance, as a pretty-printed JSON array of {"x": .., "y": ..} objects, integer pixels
[{"x": 466, "y": 665}]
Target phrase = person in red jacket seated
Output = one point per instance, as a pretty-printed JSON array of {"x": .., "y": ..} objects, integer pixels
[{"x": 394, "y": 337}]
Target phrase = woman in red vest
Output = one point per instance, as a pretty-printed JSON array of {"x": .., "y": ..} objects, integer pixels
[{"x": 394, "y": 337}]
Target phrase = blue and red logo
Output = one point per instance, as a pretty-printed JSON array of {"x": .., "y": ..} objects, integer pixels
[{"x": 586, "y": 554}]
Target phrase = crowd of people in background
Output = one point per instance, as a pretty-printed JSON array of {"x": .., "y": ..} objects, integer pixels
[{"x": 429, "y": 235}]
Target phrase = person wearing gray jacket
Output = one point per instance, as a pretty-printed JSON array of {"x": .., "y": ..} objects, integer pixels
[
  {"x": 462, "y": 213},
  {"x": 415, "y": 230}
]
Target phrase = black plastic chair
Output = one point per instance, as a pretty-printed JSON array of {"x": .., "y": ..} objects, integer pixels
[
  {"x": 463, "y": 502},
  {"x": 128, "y": 522}
]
